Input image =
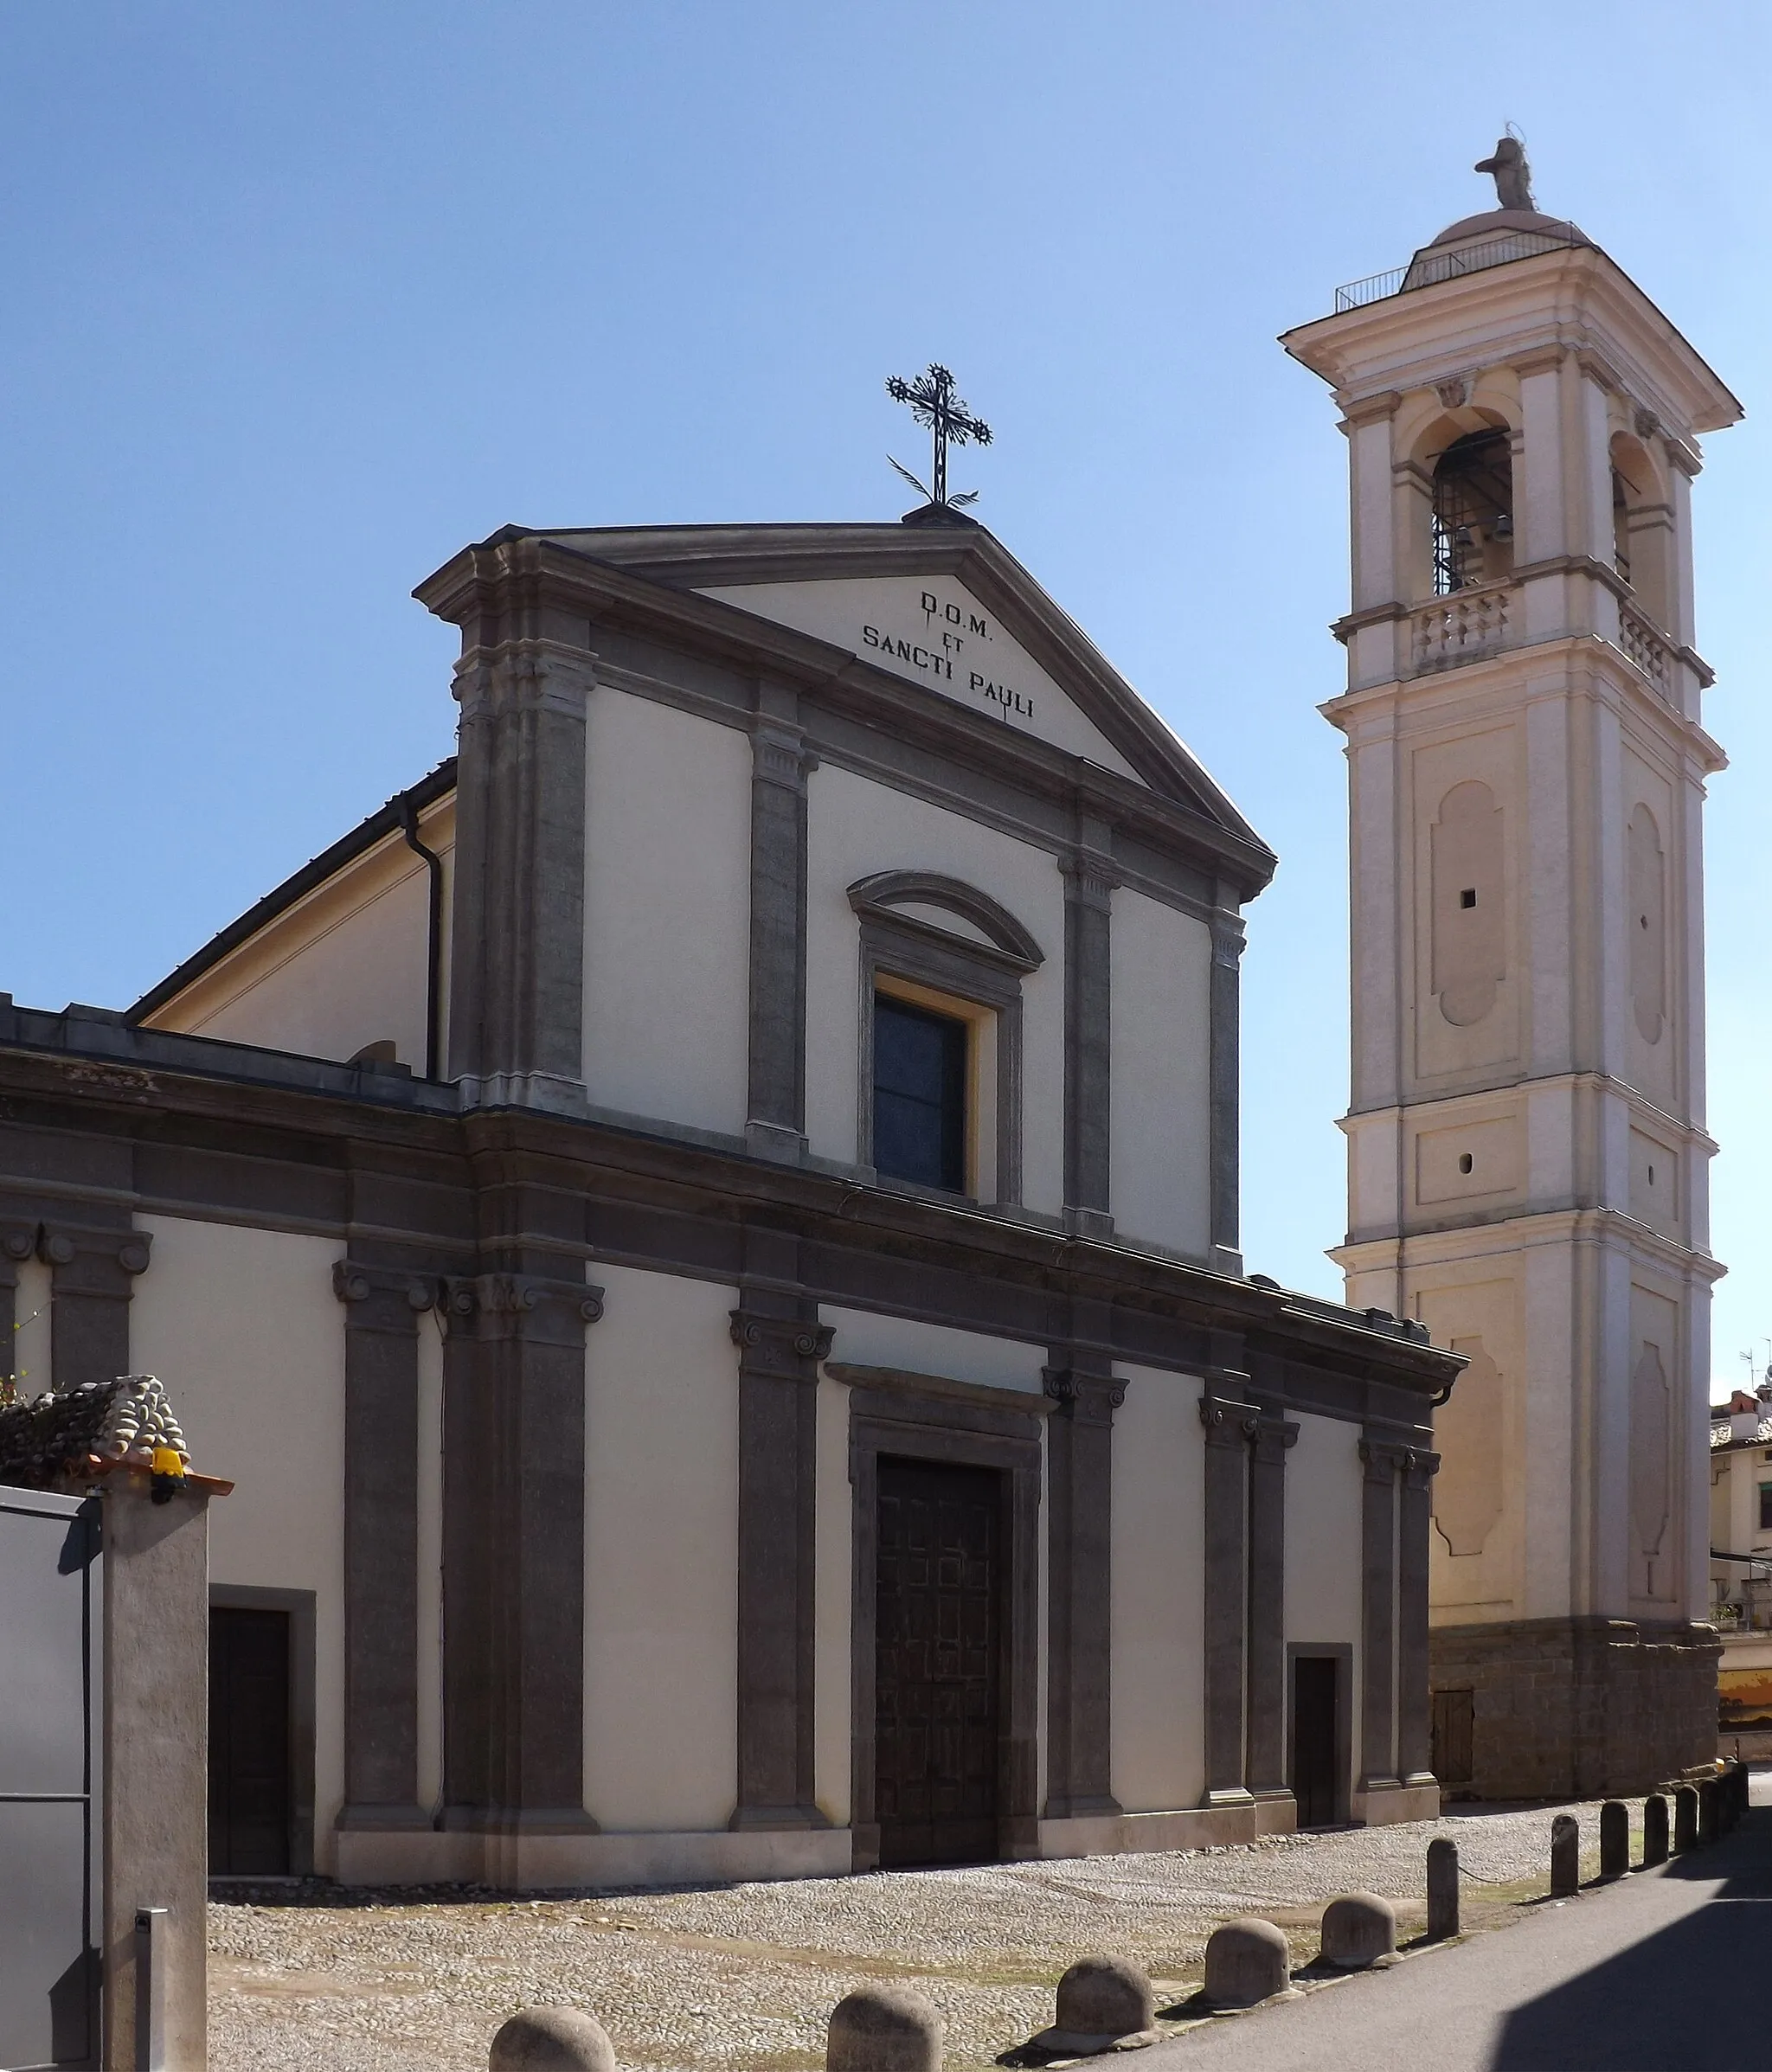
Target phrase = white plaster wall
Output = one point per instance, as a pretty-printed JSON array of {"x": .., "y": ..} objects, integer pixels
[
  {"x": 661, "y": 1555},
  {"x": 667, "y": 913},
  {"x": 346, "y": 968},
  {"x": 244, "y": 1330},
  {"x": 1160, "y": 1114},
  {"x": 833, "y": 1604},
  {"x": 1157, "y": 1614},
  {"x": 29, "y": 1357},
  {"x": 866, "y": 1339},
  {"x": 855, "y": 827},
  {"x": 1325, "y": 1480}
]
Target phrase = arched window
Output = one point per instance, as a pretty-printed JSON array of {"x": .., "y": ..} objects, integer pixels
[
  {"x": 1642, "y": 526},
  {"x": 1473, "y": 512}
]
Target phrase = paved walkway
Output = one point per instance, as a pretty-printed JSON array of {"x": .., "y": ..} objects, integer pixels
[
  {"x": 1654, "y": 1974},
  {"x": 741, "y": 1978}
]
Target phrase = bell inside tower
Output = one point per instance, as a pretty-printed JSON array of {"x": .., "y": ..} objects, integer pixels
[{"x": 1473, "y": 512}]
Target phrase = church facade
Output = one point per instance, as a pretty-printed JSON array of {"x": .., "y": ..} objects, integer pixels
[
  {"x": 1527, "y": 1155},
  {"x": 705, "y": 1234}
]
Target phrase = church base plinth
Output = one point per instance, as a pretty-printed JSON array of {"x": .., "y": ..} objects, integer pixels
[{"x": 1578, "y": 1708}]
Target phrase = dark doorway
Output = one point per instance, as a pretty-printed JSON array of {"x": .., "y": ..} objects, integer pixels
[
  {"x": 1455, "y": 1729},
  {"x": 1314, "y": 1768},
  {"x": 249, "y": 1780},
  {"x": 937, "y": 1690}
]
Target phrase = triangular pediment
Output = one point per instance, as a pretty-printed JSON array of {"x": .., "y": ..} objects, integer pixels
[{"x": 945, "y": 607}]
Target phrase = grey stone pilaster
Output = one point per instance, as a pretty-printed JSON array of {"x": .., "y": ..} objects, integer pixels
[
  {"x": 1079, "y": 1590},
  {"x": 514, "y": 1552},
  {"x": 781, "y": 1342},
  {"x": 1229, "y": 1427},
  {"x": 1382, "y": 1458},
  {"x": 1090, "y": 881},
  {"x": 517, "y": 982},
  {"x": 93, "y": 1273},
  {"x": 382, "y": 1312},
  {"x": 1267, "y": 1718},
  {"x": 1225, "y": 1090},
  {"x": 775, "y": 1113},
  {"x": 1414, "y": 1752}
]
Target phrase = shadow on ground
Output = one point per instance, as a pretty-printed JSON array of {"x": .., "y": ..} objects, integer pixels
[{"x": 1669, "y": 2001}]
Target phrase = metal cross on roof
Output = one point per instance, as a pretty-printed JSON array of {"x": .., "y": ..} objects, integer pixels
[{"x": 932, "y": 402}]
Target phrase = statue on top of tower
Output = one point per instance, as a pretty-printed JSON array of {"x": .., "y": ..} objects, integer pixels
[{"x": 1513, "y": 177}]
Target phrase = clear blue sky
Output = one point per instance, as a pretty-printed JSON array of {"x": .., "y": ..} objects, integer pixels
[{"x": 302, "y": 297}]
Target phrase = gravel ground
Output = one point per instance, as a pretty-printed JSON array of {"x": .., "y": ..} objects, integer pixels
[{"x": 741, "y": 1978}]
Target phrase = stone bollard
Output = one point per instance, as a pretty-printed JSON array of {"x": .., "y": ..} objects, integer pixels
[
  {"x": 1654, "y": 1829},
  {"x": 1099, "y": 2000},
  {"x": 1565, "y": 1857},
  {"x": 1615, "y": 1838},
  {"x": 883, "y": 2028},
  {"x": 1443, "y": 1889},
  {"x": 1685, "y": 1818},
  {"x": 1710, "y": 1821},
  {"x": 1247, "y": 1961},
  {"x": 1358, "y": 1929},
  {"x": 551, "y": 2039}
]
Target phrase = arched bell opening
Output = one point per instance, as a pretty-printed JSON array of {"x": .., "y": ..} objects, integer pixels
[
  {"x": 1473, "y": 511},
  {"x": 1642, "y": 526}
]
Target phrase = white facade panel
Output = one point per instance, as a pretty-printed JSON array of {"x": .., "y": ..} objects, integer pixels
[
  {"x": 1158, "y": 1594},
  {"x": 871, "y": 1338},
  {"x": 661, "y": 1555},
  {"x": 1325, "y": 1484},
  {"x": 1160, "y": 1117},
  {"x": 667, "y": 914},
  {"x": 244, "y": 1330}
]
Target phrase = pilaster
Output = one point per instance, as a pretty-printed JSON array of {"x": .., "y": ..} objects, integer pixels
[
  {"x": 514, "y": 1552},
  {"x": 1414, "y": 1749},
  {"x": 92, "y": 1271},
  {"x": 1378, "y": 1663},
  {"x": 383, "y": 1309},
  {"x": 1230, "y": 1425},
  {"x": 1273, "y": 1437},
  {"x": 781, "y": 1343},
  {"x": 517, "y": 985},
  {"x": 1089, "y": 883},
  {"x": 1079, "y": 1590},
  {"x": 775, "y": 1113},
  {"x": 1226, "y": 1087}
]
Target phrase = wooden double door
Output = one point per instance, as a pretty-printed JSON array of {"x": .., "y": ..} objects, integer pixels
[{"x": 938, "y": 1688}]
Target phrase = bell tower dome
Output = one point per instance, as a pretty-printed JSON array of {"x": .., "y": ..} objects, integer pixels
[{"x": 1527, "y": 1156}]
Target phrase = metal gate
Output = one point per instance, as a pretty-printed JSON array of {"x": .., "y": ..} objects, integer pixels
[{"x": 50, "y": 1685}]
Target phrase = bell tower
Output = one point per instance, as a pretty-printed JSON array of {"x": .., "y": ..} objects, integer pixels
[{"x": 1527, "y": 1161}]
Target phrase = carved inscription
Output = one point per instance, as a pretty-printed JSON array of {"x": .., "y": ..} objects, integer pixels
[{"x": 951, "y": 650}]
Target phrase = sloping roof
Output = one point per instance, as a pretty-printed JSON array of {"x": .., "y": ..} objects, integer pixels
[{"x": 384, "y": 821}]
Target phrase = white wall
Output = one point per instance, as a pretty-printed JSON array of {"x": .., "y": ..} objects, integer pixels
[
  {"x": 1158, "y": 1594},
  {"x": 667, "y": 913},
  {"x": 346, "y": 968},
  {"x": 661, "y": 1554},
  {"x": 1160, "y": 1096},
  {"x": 1325, "y": 1487},
  {"x": 856, "y": 827},
  {"x": 866, "y": 1339},
  {"x": 244, "y": 1330}
]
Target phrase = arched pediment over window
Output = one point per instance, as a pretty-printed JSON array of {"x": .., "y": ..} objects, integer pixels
[{"x": 925, "y": 899}]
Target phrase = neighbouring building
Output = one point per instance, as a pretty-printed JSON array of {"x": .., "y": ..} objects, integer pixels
[
  {"x": 1527, "y": 1155},
  {"x": 1741, "y": 1569},
  {"x": 705, "y": 1232}
]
